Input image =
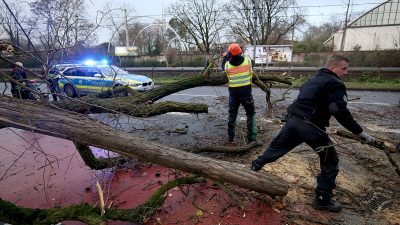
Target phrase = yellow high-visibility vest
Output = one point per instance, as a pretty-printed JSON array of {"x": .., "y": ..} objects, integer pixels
[{"x": 240, "y": 75}]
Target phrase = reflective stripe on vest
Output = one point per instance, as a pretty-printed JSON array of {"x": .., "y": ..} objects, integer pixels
[{"x": 239, "y": 76}]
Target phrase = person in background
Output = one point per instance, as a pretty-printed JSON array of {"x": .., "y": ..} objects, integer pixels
[
  {"x": 239, "y": 71},
  {"x": 19, "y": 75},
  {"x": 321, "y": 97}
]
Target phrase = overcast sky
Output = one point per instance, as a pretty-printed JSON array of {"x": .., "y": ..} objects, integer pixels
[{"x": 317, "y": 11}]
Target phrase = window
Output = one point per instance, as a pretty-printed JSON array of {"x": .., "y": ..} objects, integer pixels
[
  {"x": 368, "y": 18},
  {"x": 91, "y": 71},
  {"x": 81, "y": 72},
  {"x": 70, "y": 72},
  {"x": 374, "y": 17}
]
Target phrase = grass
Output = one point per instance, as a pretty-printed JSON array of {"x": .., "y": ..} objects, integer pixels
[
  {"x": 166, "y": 80},
  {"x": 389, "y": 86}
]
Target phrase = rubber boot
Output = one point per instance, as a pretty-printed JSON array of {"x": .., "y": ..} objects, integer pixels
[{"x": 323, "y": 201}]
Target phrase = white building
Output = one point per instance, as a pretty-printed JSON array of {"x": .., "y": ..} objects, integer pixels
[{"x": 377, "y": 29}]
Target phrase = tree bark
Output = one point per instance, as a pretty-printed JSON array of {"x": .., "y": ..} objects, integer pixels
[
  {"x": 386, "y": 147},
  {"x": 94, "y": 163},
  {"x": 47, "y": 119},
  {"x": 11, "y": 213}
]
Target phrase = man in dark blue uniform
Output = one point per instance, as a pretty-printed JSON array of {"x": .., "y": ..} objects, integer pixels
[{"x": 321, "y": 97}]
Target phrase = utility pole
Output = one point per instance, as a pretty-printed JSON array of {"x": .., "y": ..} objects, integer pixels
[
  {"x": 48, "y": 39},
  {"x": 48, "y": 33},
  {"x": 255, "y": 5},
  {"x": 126, "y": 29},
  {"x": 76, "y": 34},
  {"x": 164, "y": 29},
  {"x": 344, "y": 28}
]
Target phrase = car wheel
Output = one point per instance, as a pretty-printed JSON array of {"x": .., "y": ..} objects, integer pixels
[{"x": 70, "y": 91}]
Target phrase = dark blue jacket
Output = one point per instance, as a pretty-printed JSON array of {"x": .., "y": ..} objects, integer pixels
[
  {"x": 321, "y": 97},
  {"x": 18, "y": 74}
]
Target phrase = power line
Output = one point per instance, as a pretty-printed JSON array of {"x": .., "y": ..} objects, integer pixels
[{"x": 243, "y": 9}]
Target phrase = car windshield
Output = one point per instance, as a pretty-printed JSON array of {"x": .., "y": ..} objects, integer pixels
[{"x": 110, "y": 70}]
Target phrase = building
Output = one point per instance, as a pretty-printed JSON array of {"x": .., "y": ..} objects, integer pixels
[{"x": 377, "y": 29}]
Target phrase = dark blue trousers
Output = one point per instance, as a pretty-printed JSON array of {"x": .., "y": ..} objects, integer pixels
[
  {"x": 248, "y": 103},
  {"x": 297, "y": 131}
]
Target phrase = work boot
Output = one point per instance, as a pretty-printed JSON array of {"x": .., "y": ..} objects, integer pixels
[
  {"x": 255, "y": 166},
  {"x": 323, "y": 201}
]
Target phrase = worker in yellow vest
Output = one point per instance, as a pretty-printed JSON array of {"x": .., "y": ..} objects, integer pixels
[{"x": 239, "y": 70}]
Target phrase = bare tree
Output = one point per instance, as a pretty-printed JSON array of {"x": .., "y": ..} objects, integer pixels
[
  {"x": 9, "y": 24},
  {"x": 60, "y": 25},
  {"x": 201, "y": 19},
  {"x": 276, "y": 18},
  {"x": 120, "y": 19},
  {"x": 146, "y": 37},
  {"x": 315, "y": 36}
]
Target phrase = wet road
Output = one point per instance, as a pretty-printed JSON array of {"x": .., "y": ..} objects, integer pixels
[{"x": 365, "y": 97}]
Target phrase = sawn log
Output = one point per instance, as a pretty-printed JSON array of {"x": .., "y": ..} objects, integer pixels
[{"x": 50, "y": 120}]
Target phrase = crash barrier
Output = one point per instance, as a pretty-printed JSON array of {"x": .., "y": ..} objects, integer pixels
[{"x": 174, "y": 71}]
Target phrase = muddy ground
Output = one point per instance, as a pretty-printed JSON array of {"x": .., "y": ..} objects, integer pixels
[{"x": 367, "y": 184}]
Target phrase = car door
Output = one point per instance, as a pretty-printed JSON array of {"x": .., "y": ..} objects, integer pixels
[
  {"x": 75, "y": 76},
  {"x": 98, "y": 81},
  {"x": 82, "y": 80}
]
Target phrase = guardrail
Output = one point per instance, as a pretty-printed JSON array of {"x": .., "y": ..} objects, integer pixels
[{"x": 263, "y": 69}]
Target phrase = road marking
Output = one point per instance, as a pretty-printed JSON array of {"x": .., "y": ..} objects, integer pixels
[
  {"x": 196, "y": 95},
  {"x": 208, "y": 95}
]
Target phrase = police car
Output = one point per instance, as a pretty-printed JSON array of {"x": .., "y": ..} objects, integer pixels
[{"x": 83, "y": 79}]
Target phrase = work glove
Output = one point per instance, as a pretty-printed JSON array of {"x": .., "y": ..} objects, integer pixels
[
  {"x": 366, "y": 137},
  {"x": 226, "y": 54}
]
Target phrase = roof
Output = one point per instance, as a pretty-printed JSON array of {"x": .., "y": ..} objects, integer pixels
[{"x": 386, "y": 13}]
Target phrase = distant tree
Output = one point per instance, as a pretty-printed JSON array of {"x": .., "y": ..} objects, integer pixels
[
  {"x": 200, "y": 19},
  {"x": 275, "y": 19},
  {"x": 157, "y": 45},
  {"x": 147, "y": 38},
  {"x": 62, "y": 25},
  {"x": 9, "y": 25},
  {"x": 315, "y": 36},
  {"x": 180, "y": 29},
  {"x": 121, "y": 19}
]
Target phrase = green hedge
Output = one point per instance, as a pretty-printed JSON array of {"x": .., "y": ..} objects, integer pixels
[{"x": 386, "y": 58}]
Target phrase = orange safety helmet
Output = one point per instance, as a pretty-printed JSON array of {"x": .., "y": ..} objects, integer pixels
[{"x": 235, "y": 49}]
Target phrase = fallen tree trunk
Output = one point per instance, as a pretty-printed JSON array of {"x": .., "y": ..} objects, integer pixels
[
  {"x": 224, "y": 149},
  {"x": 11, "y": 213},
  {"x": 46, "y": 119},
  {"x": 386, "y": 147},
  {"x": 94, "y": 163}
]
